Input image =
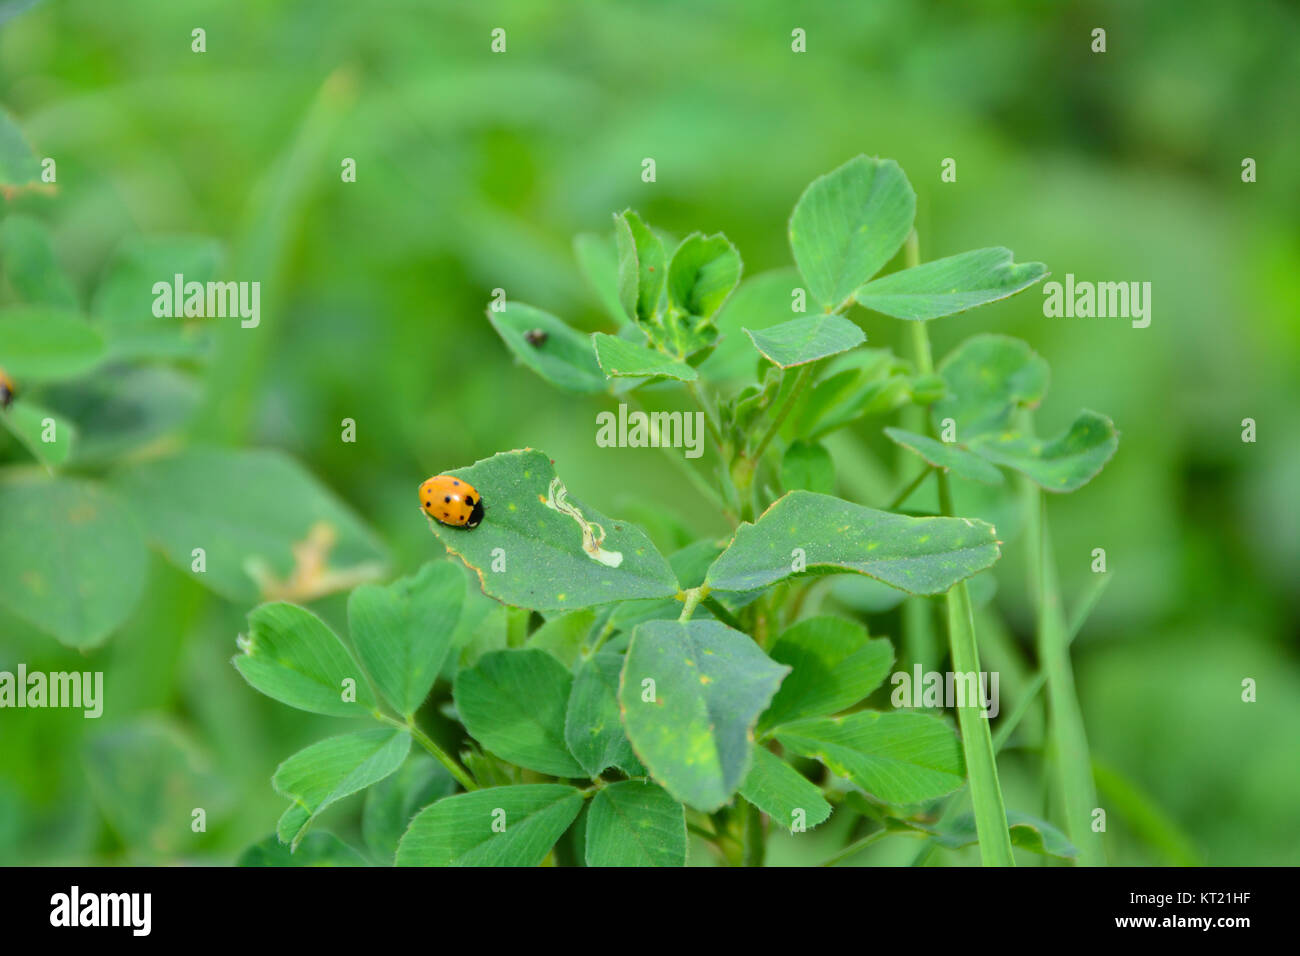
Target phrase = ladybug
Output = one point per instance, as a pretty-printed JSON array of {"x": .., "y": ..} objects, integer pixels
[
  {"x": 451, "y": 501},
  {"x": 7, "y": 390},
  {"x": 536, "y": 337}
]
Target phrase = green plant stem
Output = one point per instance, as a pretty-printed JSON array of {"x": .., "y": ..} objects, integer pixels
[
  {"x": 977, "y": 742},
  {"x": 854, "y": 848},
  {"x": 730, "y": 493},
  {"x": 691, "y": 475},
  {"x": 692, "y": 599},
  {"x": 906, "y": 493},
  {"x": 710, "y": 416},
  {"x": 719, "y": 611},
  {"x": 1069, "y": 741},
  {"x": 753, "y": 842},
  {"x": 440, "y": 755},
  {"x": 1008, "y": 724},
  {"x": 604, "y": 635},
  {"x": 800, "y": 383}
]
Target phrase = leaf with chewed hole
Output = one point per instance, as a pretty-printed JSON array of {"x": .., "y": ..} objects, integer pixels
[{"x": 540, "y": 548}]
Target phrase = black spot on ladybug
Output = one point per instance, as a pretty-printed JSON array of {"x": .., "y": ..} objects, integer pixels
[
  {"x": 455, "y": 482},
  {"x": 447, "y": 498},
  {"x": 469, "y": 500}
]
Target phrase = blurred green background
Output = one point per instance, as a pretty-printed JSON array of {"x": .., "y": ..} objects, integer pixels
[{"x": 475, "y": 170}]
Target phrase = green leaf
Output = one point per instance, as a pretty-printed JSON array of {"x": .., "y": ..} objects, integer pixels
[
  {"x": 38, "y": 343},
  {"x": 806, "y": 533},
  {"x": 808, "y": 466},
  {"x": 124, "y": 302},
  {"x": 513, "y": 703},
  {"x": 897, "y": 758},
  {"x": 147, "y": 777},
  {"x": 634, "y": 823},
  {"x": 564, "y": 635},
  {"x": 290, "y": 654},
  {"x": 249, "y": 510},
  {"x": 31, "y": 424},
  {"x": 31, "y": 266},
  {"x": 853, "y": 385},
  {"x": 621, "y": 358},
  {"x": 951, "y": 285},
  {"x": 403, "y": 632},
  {"x": 393, "y": 802},
  {"x": 805, "y": 340},
  {"x": 554, "y": 555},
  {"x": 593, "y": 727},
  {"x": 501, "y": 826},
  {"x": 564, "y": 357},
  {"x": 690, "y": 694},
  {"x": 784, "y": 794},
  {"x": 1028, "y": 833},
  {"x": 127, "y": 297},
  {"x": 833, "y": 665},
  {"x": 315, "y": 849},
  {"x": 848, "y": 224},
  {"x": 949, "y": 456},
  {"x": 760, "y": 302},
  {"x": 72, "y": 559},
  {"x": 642, "y": 267},
  {"x": 118, "y": 409},
  {"x": 332, "y": 769},
  {"x": 989, "y": 377},
  {"x": 598, "y": 260},
  {"x": 1064, "y": 463},
  {"x": 704, "y": 271},
  {"x": 19, "y": 166}
]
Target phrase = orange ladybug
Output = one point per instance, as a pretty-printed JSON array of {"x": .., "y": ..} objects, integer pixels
[
  {"x": 451, "y": 501},
  {"x": 7, "y": 390}
]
